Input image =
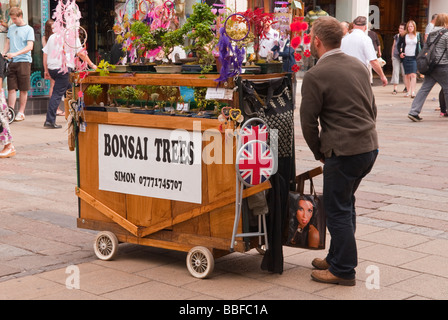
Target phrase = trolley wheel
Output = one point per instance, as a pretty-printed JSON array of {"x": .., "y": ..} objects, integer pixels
[
  {"x": 106, "y": 245},
  {"x": 11, "y": 114},
  {"x": 200, "y": 262}
]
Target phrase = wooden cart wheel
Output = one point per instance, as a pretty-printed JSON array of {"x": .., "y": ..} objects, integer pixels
[
  {"x": 200, "y": 262},
  {"x": 106, "y": 245}
]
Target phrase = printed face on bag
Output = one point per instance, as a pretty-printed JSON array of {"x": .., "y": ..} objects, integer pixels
[{"x": 304, "y": 213}]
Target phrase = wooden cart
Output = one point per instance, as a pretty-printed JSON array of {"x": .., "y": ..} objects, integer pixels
[{"x": 204, "y": 230}]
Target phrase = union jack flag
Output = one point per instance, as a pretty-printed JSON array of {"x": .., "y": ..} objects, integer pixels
[
  {"x": 255, "y": 163},
  {"x": 251, "y": 133}
]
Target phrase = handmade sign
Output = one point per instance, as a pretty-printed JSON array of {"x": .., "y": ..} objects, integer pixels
[{"x": 157, "y": 163}]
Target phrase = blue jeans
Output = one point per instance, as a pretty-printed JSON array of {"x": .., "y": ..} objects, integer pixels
[
  {"x": 61, "y": 85},
  {"x": 342, "y": 176}
]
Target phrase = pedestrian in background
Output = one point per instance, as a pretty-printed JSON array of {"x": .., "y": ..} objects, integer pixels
[
  {"x": 18, "y": 45},
  {"x": 358, "y": 44},
  {"x": 430, "y": 26},
  {"x": 409, "y": 46},
  {"x": 345, "y": 28},
  {"x": 53, "y": 68},
  {"x": 5, "y": 131},
  {"x": 439, "y": 74},
  {"x": 339, "y": 126},
  {"x": 47, "y": 33},
  {"x": 397, "y": 66}
]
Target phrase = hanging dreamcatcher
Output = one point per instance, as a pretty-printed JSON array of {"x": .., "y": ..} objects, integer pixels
[
  {"x": 71, "y": 37},
  {"x": 231, "y": 55}
]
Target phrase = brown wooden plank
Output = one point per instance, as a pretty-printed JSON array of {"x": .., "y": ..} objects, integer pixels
[
  {"x": 163, "y": 239},
  {"x": 200, "y": 210},
  {"x": 151, "y": 121},
  {"x": 189, "y": 80},
  {"x": 147, "y": 211},
  {"x": 111, "y": 214},
  {"x": 88, "y": 176},
  {"x": 222, "y": 221}
]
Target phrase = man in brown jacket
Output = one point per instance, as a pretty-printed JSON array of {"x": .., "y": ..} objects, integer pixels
[{"x": 337, "y": 95}]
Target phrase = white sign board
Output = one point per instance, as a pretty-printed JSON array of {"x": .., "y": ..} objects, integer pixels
[{"x": 150, "y": 162}]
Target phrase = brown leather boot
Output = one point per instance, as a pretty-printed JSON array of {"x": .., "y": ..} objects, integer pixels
[
  {"x": 326, "y": 276},
  {"x": 320, "y": 264}
]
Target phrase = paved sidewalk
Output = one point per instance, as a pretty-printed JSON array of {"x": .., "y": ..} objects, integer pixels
[{"x": 402, "y": 229}]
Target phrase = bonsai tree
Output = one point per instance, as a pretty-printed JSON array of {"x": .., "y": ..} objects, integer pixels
[
  {"x": 199, "y": 98},
  {"x": 151, "y": 41},
  {"x": 170, "y": 93},
  {"x": 94, "y": 91},
  {"x": 170, "y": 40},
  {"x": 130, "y": 93},
  {"x": 114, "y": 94},
  {"x": 136, "y": 47},
  {"x": 147, "y": 91},
  {"x": 198, "y": 29}
]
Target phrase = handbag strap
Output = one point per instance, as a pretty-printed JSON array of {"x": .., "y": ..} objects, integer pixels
[
  {"x": 308, "y": 175},
  {"x": 436, "y": 40}
]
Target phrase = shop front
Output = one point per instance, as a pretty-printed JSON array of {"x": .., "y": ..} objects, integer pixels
[{"x": 99, "y": 16}]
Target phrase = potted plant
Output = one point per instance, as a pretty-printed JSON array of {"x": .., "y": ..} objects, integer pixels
[
  {"x": 103, "y": 67},
  {"x": 113, "y": 94},
  {"x": 94, "y": 91},
  {"x": 198, "y": 30},
  {"x": 147, "y": 90},
  {"x": 134, "y": 38},
  {"x": 170, "y": 94},
  {"x": 170, "y": 39},
  {"x": 129, "y": 94}
]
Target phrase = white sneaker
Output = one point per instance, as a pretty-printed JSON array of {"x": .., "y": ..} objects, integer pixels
[{"x": 19, "y": 117}]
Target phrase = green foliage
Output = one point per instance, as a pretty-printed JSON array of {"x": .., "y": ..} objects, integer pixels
[
  {"x": 171, "y": 39},
  {"x": 130, "y": 93},
  {"x": 104, "y": 66},
  {"x": 152, "y": 39},
  {"x": 139, "y": 28},
  {"x": 197, "y": 28},
  {"x": 94, "y": 91},
  {"x": 147, "y": 90},
  {"x": 114, "y": 93}
]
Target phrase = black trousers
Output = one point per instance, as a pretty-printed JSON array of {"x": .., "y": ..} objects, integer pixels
[
  {"x": 342, "y": 176},
  {"x": 61, "y": 85},
  {"x": 442, "y": 101}
]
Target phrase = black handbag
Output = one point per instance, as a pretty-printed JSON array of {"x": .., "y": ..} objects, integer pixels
[{"x": 272, "y": 101}]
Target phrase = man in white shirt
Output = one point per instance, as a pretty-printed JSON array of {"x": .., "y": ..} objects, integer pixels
[
  {"x": 53, "y": 66},
  {"x": 359, "y": 45},
  {"x": 268, "y": 40}
]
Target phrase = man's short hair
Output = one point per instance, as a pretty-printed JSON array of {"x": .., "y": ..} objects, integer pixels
[
  {"x": 329, "y": 31},
  {"x": 16, "y": 12},
  {"x": 360, "y": 21}
]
